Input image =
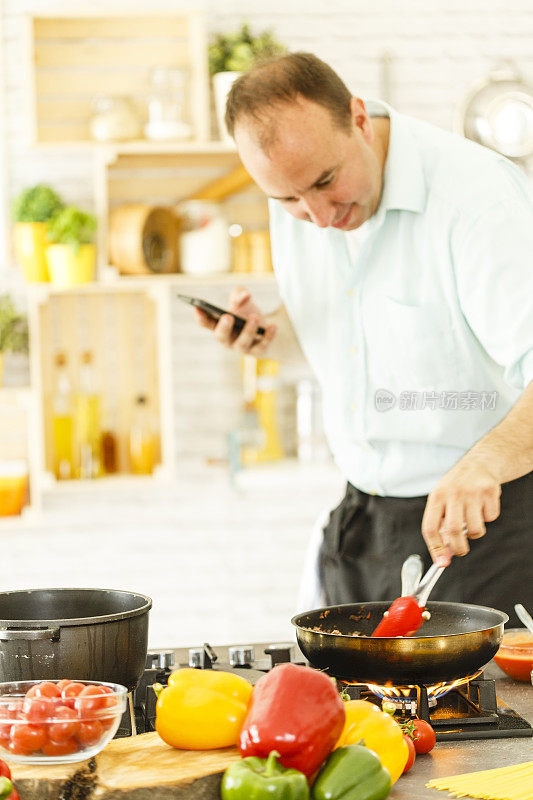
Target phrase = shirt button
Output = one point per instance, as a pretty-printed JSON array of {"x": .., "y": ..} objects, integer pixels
[
  {"x": 353, "y": 406},
  {"x": 351, "y": 293},
  {"x": 353, "y": 350}
]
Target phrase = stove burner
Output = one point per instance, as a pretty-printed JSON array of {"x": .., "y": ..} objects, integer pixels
[
  {"x": 464, "y": 709},
  {"x": 404, "y": 699},
  {"x": 406, "y": 705}
]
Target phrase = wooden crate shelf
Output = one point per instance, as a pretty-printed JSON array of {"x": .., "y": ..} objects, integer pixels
[
  {"x": 73, "y": 59},
  {"x": 122, "y": 329},
  {"x": 159, "y": 178}
]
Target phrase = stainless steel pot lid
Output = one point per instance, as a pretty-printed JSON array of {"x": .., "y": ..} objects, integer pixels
[{"x": 498, "y": 113}]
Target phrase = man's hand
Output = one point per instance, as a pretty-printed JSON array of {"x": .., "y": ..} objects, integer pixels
[
  {"x": 247, "y": 342},
  {"x": 457, "y": 509}
]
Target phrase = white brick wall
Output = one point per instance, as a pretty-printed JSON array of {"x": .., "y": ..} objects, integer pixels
[{"x": 438, "y": 48}]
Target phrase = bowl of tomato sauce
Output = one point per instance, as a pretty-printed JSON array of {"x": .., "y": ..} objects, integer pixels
[
  {"x": 515, "y": 655},
  {"x": 58, "y": 722}
]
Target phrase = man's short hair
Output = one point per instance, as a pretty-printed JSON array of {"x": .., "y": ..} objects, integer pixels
[{"x": 282, "y": 79}]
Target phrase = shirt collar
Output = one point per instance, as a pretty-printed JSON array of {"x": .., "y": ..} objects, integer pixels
[{"x": 404, "y": 185}]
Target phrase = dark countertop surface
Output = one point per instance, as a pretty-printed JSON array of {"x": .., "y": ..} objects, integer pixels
[{"x": 454, "y": 758}]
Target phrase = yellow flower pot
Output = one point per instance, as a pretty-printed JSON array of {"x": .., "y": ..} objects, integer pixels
[
  {"x": 68, "y": 266},
  {"x": 30, "y": 246}
]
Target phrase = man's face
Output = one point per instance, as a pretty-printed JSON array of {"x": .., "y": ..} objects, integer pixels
[{"x": 316, "y": 170}]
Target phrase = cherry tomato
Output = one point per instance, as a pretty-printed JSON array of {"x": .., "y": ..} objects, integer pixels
[
  {"x": 62, "y": 731},
  {"x": 89, "y": 732},
  {"x": 424, "y": 736},
  {"x": 70, "y": 692},
  {"x": 43, "y": 689},
  {"x": 62, "y": 683},
  {"x": 412, "y": 753},
  {"x": 5, "y": 772},
  {"x": 60, "y": 748},
  {"x": 5, "y": 722},
  {"x": 14, "y": 795},
  {"x": 90, "y": 699},
  {"x": 38, "y": 709},
  {"x": 106, "y": 722},
  {"x": 28, "y": 737}
]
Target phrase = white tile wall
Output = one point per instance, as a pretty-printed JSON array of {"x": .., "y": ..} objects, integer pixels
[{"x": 221, "y": 562}]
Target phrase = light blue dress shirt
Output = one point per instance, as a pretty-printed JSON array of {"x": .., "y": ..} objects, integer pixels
[{"x": 424, "y": 342}]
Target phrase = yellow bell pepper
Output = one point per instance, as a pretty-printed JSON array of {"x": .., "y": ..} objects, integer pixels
[
  {"x": 202, "y": 709},
  {"x": 380, "y": 733}
]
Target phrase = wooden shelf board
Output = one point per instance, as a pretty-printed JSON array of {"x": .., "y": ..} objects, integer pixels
[
  {"x": 15, "y": 392},
  {"x": 141, "y": 147},
  {"x": 124, "y": 480},
  {"x": 147, "y": 282}
]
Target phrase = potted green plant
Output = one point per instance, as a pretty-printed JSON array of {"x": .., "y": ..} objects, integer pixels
[
  {"x": 232, "y": 54},
  {"x": 31, "y": 210},
  {"x": 71, "y": 254},
  {"x": 13, "y": 330}
]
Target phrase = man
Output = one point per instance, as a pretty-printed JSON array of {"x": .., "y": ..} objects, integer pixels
[{"x": 404, "y": 261}]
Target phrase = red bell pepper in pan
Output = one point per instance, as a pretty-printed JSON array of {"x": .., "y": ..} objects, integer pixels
[
  {"x": 296, "y": 711},
  {"x": 404, "y": 618}
]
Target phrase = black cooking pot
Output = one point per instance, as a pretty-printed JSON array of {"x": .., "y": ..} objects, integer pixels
[{"x": 84, "y": 634}]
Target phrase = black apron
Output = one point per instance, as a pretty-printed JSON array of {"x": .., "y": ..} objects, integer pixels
[{"x": 368, "y": 538}]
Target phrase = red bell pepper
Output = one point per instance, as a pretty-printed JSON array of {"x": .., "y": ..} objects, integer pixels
[
  {"x": 403, "y": 618},
  {"x": 297, "y": 711}
]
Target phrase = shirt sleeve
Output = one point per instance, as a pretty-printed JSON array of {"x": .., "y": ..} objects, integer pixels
[{"x": 493, "y": 258}]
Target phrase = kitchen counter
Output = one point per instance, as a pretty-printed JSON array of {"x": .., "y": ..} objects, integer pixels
[
  {"x": 143, "y": 767},
  {"x": 454, "y": 758}
]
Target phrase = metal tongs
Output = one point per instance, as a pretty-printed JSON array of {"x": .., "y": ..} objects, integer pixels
[
  {"x": 412, "y": 581},
  {"x": 427, "y": 583}
]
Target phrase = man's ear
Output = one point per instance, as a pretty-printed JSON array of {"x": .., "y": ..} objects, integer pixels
[{"x": 360, "y": 119}]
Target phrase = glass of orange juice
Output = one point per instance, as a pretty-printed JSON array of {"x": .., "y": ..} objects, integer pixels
[{"x": 13, "y": 486}]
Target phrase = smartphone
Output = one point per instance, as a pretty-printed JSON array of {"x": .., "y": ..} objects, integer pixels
[{"x": 215, "y": 313}]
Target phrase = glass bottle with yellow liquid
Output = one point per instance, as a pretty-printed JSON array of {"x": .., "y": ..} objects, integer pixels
[
  {"x": 87, "y": 422},
  {"x": 265, "y": 404},
  {"x": 62, "y": 421},
  {"x": 143, "y": 439}
]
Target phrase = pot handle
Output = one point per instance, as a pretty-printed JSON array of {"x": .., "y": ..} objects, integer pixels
[{"x": 28, "y": 634}]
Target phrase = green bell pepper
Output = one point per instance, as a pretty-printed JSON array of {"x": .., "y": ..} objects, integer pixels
[
  {"x": 352, "y": 773},
  {"x": 255, "y": 778},
  {"x": 6, "y": 787}
]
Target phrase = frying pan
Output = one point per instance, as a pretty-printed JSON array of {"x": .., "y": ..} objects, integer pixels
[{"x": 456, "y": 641}]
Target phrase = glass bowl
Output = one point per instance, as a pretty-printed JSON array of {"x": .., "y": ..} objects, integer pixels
[
  {"x": 515, "y": 655},
  {"x": 58, "y": 722}
]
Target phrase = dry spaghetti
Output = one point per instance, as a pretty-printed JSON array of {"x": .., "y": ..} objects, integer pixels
[{"x": 505, "y": 783}]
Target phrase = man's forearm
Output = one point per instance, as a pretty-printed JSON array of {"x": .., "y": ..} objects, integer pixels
[{"x": 507, "y": 450}]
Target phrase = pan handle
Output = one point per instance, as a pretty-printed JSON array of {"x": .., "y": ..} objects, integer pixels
[{"x": 28, "y": 634}]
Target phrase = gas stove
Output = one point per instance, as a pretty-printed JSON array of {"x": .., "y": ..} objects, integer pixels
[{"x": 465, "y": 709}]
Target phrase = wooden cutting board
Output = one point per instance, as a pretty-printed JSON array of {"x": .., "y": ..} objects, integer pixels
[{"x": 137, "y": 768}]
